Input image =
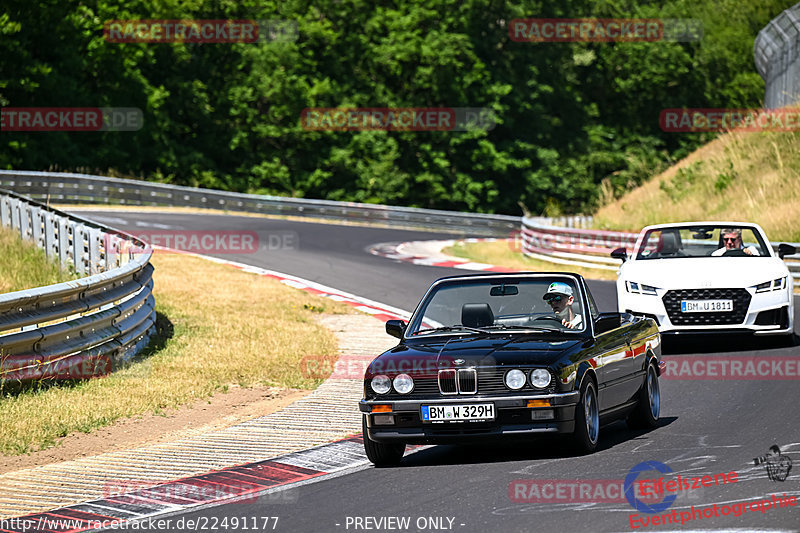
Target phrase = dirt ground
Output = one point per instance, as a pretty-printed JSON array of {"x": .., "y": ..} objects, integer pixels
[{"x": 221, "y": 410}]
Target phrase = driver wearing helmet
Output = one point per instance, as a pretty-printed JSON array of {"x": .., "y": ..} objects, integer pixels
[
  {"x": 732, "y": 239},
  {"x": 560, "y": 297}
]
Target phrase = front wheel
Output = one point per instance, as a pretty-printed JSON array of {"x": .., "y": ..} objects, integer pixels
[
  {"x": 381, "y": 453},
  {"x": 587, "y": 418},
  {"x": 647, "y": 410}
]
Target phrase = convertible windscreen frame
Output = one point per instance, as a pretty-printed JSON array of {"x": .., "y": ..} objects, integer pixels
[
  {"x": 675, "y": 238},
  {"x": 496, "y": 289}
]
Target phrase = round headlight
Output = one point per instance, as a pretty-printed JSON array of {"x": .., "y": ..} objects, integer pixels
[
  {"x": 515, "y": 379},
  {"x": 540, "y": 378},
  {"x": 381, "y": 384},
  {"x": 403, "y": 383}
]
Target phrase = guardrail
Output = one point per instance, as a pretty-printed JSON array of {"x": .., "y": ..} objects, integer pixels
[
  {"x": 777, "y": 57},
  {"x": 591, "y": 248},
  {"x": 86, "y": 189},
  {"x": 79, "y": 328}
]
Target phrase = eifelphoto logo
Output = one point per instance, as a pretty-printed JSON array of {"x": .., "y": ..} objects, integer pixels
[
  {"x": 78, "y": 119},
  {"x": 398, "y": 119},
  {"x": 778, "y": 465},
  {"x": 605, "y": 30},
  {"x": 200, "y": 31},
  {"x": 693, "y": 120}
]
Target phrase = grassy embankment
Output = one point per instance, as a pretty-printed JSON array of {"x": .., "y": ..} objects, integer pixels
[
  {"x": 217, "y": 327},
  {"x": 739, "y": 176},
  {"x": 753, "y": 177}
]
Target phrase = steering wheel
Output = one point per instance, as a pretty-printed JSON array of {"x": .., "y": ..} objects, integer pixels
[
  {"x": 553, "y": 318},
  {"x": 736, "y": 252}
]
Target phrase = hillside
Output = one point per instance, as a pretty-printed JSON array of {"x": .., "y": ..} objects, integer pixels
[{"x": 739, "y": 176}]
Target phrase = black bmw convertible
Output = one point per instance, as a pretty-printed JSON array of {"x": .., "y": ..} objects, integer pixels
[{"x": 509, "y": 355}]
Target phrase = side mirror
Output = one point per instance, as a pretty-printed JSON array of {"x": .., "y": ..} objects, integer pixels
[
  {"x": 786, "y": 249},
  {"x": 607, "y": 322},
  {"x": 396, "y": 328},
  {"x": 620, "y": 253}
]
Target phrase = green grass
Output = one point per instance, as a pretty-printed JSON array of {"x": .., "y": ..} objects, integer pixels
[
  {"x": 23, "y": 265},
  {"x": 218, "y": 327},
  {"x": 751, "y": 177},
  {"x": 501, "y": 253}
]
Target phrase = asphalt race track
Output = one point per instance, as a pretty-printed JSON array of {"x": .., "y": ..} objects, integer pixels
[{"x": 707, "y": 426}]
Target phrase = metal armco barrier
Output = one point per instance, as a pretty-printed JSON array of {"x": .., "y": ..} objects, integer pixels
[
  {"x": 777, "y": 57},
  {"x": 79, "y": 328},
  {"x": 85, "y": 189},
  {"x": 591, "y": 248}
]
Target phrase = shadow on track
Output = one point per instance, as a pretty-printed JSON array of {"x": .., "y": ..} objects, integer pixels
[
  {"x": 535, "y": 448},
  {"x": 689, "y": 344}
]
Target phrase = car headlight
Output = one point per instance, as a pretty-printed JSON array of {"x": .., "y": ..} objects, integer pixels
[
  {"x": 515, "y": 379},
  {"x": 641, "y": 288},
  {"x": 540, "y": 378},
  {"x": 381, "y": 384},
  {"x": 763, "y": 287},
  {"x": 403, "y": 383},
  {"x": 774, "y": 285}
]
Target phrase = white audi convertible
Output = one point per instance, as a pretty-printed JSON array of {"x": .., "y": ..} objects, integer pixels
[{"x": 697, "y": 277}]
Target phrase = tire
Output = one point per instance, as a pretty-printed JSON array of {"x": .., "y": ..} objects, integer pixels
[
  {"x": 648, "y": 408},
  {"x": 379, "y": 453},
  {"x": 587, "y": 418}
]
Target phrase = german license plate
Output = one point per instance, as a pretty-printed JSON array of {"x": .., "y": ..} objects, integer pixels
[
  {"x": 706, "y": 306},
  {"x": 473, "y": 412}
]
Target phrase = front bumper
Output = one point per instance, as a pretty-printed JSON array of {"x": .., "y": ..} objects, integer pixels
[
  {"x": 512, "y": 419},
  {"x": 768, "y": 313}
]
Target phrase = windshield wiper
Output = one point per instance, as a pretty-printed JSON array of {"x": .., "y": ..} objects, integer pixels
[
  {"x": 535, "y": 329},
  {"x": 452, "y": 328}
]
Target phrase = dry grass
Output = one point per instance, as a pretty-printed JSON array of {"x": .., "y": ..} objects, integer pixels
[
  {"x": 739, "y": 176},
  {"x": 501, "y": 253},
  {"x": 23, "y": 265},
  {"x": 228, "y": 328}
]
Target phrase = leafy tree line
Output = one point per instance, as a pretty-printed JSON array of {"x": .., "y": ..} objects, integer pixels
[{"x": 577, "y": 122}]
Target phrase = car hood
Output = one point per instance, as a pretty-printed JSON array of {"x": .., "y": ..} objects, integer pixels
[
  {"x": 462, "y": 352},
  {"x": 704, "y": 272}
]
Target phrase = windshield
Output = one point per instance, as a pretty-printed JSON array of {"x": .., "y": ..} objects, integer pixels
[
  {"x": 702, "y": 241},
  {"x": 544, "y": 304}
]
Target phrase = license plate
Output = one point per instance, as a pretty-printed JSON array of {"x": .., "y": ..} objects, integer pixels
[
  {"x": 706, "y": 306},
  {"x": 473, "y": 412}
]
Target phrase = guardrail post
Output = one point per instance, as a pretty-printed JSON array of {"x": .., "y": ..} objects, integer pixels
[
  {"x": 63, "y": 242},
  {"x": 50, "y": 242},
  {"x": 36, "y": 223},
  {"x": 95, "y": 266},
  {"x": 78, "y": 248}
]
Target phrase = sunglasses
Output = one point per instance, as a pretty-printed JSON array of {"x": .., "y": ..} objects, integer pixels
[
  {"x": 731, "y": 239},
  {"x": 555, "y": 298}
]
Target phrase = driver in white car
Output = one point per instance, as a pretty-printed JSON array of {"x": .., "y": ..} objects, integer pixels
[
  {"x": 560, "y": 297},
  {"x": 732, "y": 239}
]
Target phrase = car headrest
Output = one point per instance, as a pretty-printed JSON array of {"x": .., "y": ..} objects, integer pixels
[
  {"x": 476, "y": 315},
  {"x": 669, "y": 243}
]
